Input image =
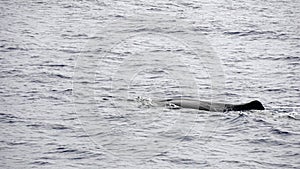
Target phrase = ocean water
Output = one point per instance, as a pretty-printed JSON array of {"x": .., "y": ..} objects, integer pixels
[{"x": 77, "y": 79}]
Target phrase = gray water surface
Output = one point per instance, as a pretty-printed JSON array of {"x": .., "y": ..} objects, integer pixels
[{"x": 70, "y": 73}]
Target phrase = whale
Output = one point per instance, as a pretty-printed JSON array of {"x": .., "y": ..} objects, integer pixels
[{"x": 210, "y": 106}]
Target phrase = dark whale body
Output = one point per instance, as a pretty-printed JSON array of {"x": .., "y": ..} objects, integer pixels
[{"x": 208, "y": 106}]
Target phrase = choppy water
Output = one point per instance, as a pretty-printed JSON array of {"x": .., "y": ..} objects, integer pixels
[{"x": 68, "y": 68}]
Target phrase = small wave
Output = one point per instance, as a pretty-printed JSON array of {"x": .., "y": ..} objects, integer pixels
[
  {"x": 249, "y": 33},
  {"x": 67, "y": 91},
  {"x": 147, "y": 30},
  {"x": 76, "y": 35},
  {"x": 294, "y": 117},
  {"x": 185, "y": 161},
  {"x": 154, "y": 9},
  {"x": 272, "y": 165},
  {"x": 11, "y": 48},
  {"x": 291, "y": 59},
  {"x": 274, "y": 90},
  {"x": 16, "y": 143},
  {"x": 232, "y": 33},
  {"x": 6, "y": 116},
  {"x": 186, "y": 138},
  {"x": 289, "y": 154},
  {"x": 55, "y": 65},
  {"x": 61, "y": 76},
  {"x": 114, "y": 117},
  {"x": 65, "y": 150},
  {"x": 261, "y": 121},
  {"x": 69, "y": 51},
  {"x": 9, "y": 118},
  {"x": 41, "y": 125},
  {"x": 38, "y": 81},
  {"x": 59, "y": 127},
  {"x": 266, "y": 141},
  {"x": 40, "y": 163},
  {"x": 230, "y": 161},
  {"x": 117, "y": 16},
  {"x": 34, "y": 125},
  {"x": 280, "y": 132}
]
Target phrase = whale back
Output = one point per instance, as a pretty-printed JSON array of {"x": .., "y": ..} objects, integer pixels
[
  {"x": 253, "y": 105},
  {"x": 208, "y": 106}
]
